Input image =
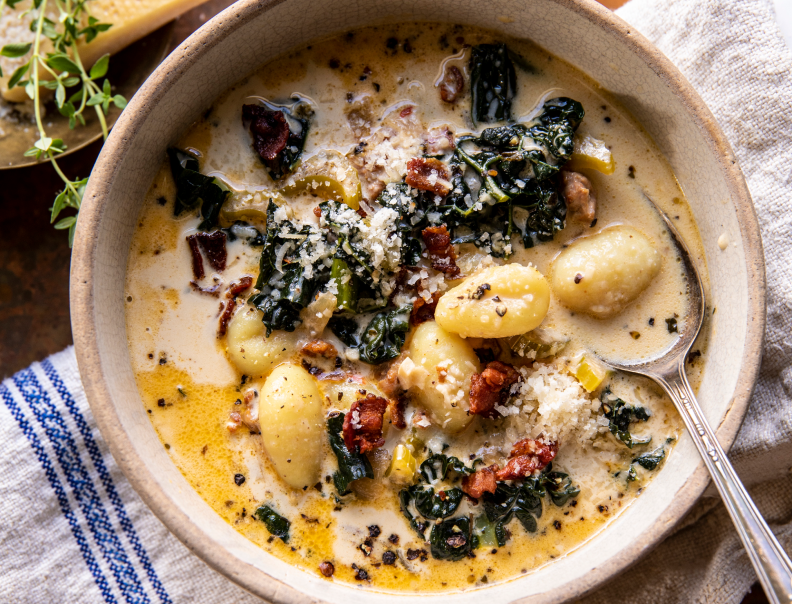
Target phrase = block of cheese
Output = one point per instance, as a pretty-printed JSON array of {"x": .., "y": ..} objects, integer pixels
[{"x": 131, "y": 19}]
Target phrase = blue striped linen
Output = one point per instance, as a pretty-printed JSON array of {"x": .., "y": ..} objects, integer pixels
[{"x": 72, "y": 529}]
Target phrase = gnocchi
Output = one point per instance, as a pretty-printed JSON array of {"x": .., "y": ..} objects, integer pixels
[
  {"x": 602, "y": 274},
  {"x": 253, "y": 353},
  {"x": 439, "y": 369},
  {"x": 292, "y": 426},
  {"x": 498, "y": 302}
]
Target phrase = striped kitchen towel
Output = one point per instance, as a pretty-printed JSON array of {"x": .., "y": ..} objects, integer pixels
[{"x": 71, "y": 527}]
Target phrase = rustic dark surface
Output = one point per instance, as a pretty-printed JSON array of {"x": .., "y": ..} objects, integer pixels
[{"x": 34, "y": 258}]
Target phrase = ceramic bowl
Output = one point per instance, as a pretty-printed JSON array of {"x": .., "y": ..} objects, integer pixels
[{"x": 250, "y": 33}]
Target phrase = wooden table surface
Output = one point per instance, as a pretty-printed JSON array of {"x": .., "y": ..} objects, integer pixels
[{"x": 34, "y": 258}]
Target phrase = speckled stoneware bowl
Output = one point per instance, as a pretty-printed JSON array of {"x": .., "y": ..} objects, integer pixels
[{"x": 248, "y": 35}]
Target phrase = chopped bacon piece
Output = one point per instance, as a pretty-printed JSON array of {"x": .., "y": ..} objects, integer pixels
[
  {"x": 225, "y": 317},
  {"x": 406, "y": 112},
  {"x": 428, "y": 174},
  {"x": 439, "y": 140},
  {"x": 214, "y": 246},
  {"x": 579, "y": 196},
  {"x": 270, "y": 130},
  {"x": 424, "y": 311},
  {"x": 451, "y": 85},
  {"x": 317, "y": 212},
  {"x": 490, "y": 388},
  {"x": 319, "y": 348},
  {"x": 480, "y": 482},
  {"x": 527, "y": 456},
  {"x": 397, "y": 412},
  {"x": 389, "y": 385},
  {"x": 237, "y": 287},
  {"x": 197, "y": 260},
  {"x": 213, "y": 291},
  {"x": 363, "y": 424},
  {"x": 441, "y": 252},
  {"x": 234, "y": 421}
]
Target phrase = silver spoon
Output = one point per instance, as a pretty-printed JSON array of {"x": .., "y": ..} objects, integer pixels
[{"x": 771, "y": 563}]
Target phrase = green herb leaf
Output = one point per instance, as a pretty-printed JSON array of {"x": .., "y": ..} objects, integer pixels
[
  {"x": 351, "y": 464},
  {"x": 429, "y": 504},
  {"x": 276, "y": 524},
  {"x": 15, "y": 50},
  {"x": 99, "y": 68},
  {"x": 345, "y": 329},
  {"x": 61, "y": 62},
  {"x": 17, "y": 75},
  {"x": 437, "y": 467},
  {"x": 650, "y": 460}
]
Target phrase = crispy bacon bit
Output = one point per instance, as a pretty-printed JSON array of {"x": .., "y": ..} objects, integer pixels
[
  {"x": 441, "y": 252},
  {"x": 214, "y": 246},
  {"x": 579, "y": 196},
  {"x": 213, "y": 291},
  {"x": 420, "y": 419},
  {"x": 317, "y": 212},
  {"x": 389, "y": 385},
  {"x": 397, "y": 412},
  {"x": 363, "y": 424},
  {"x": 234, "y": 421},
  {"x": 451, "y": 85},
  {"x": 428, "y": 174},
  {"x": 424, "y": 311},
  {"x": 406, "y": 112},
  {"x": 237, "y": 287},
  {"x": 250, "y": 416},
  {"x": 270, "y": 130},
  {"x": 480, "y": 482},
  {"x": 319, "y": 348},
  {"x": 527, "y": 456},
  {"x": 439, "y": 140},
  {"x": 225, "y": 317},
  {"x": 490, "y": 388},
  {"x": 197, "y": 260}
]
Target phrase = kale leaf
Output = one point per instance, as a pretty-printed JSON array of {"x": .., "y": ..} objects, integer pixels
[
  {"x": 345, "y": 329},
  {"x": 267, "y": 127},
  {"x": 452, "y": 539},
  {"x": 276, "y": 524},
  {"x": 493, "y": 83},
  {"x": 384, "y": 337},
  {"x": 559, "y": 486},
  {"x": 437, "y": 466},
  {"x": 351, "y": 464},
  {"x": 396, "y": 196},
  {"x": 650, "y": 460},
  {"x": 193, "y": 187},
  {"x": 620, "y": 415},
  {"x": 432, "y": 505},
  {"x": 521, "y": 500}
]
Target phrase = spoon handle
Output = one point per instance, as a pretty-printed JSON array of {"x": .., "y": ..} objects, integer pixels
[{"x": 771, "y": 563}]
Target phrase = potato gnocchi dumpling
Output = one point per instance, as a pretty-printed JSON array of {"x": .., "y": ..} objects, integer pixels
[
  {"x": 498, "y": 302},
  {"x": 292, "y": 426},
  {"x": 602, "y": 274},
  {"x": 249, "y": 348},
  {"x": 439, "y": 369}
]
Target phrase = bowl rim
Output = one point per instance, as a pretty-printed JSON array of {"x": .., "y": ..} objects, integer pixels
[{"x": 85, "y": 259}]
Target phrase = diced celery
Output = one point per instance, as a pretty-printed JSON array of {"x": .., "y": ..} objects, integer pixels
[
  {"x": 402, "y": 466},
  {"x": 590, "y": 152},
  {"x": 590, "y": 373},
  {"x": 486, "y": 532},
  {"x": 329, "y": 175},
  {"x": 538, "y": 344}
]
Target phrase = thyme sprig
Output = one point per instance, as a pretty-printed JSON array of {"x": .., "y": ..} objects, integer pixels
[{"x": 62, "y": 70}]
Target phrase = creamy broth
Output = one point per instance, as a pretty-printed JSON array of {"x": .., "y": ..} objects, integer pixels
[{"x": 190, "y": 385}]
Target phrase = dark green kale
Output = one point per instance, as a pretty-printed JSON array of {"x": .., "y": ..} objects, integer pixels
[
  {"x": 650, "y": 460},
  {"x": 279, "y": 133},
  {"x": 437, "y": 467},
  {"x": 345, "y": 329},
  {"x": 523, "y": 501},
  {"x": 396, "y": 196},
  {"x": 192, "y": 188},
  {"x": 510, "y": 170},
  {"x": 384, "y": 337},
  {"x": 284, "y": 292},
  {"x": 351, "y": 464},
  {"x": 620, "y": 415},
  {"x": 276, "y": 524},
  {"x": 559, "y": 486},
  {"x": 429, "y": 504},
  {"x": 452, "y": 539},
  {"x": 493, "y": 83}
]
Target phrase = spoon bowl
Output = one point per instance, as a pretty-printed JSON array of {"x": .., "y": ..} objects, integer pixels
[{"x": 772, "y": 564}]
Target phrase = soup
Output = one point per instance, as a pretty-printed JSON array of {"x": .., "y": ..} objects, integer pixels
[{"x": 366, "y": 297}]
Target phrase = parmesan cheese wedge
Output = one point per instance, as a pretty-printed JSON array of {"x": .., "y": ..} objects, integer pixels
[{"x": 131, "y": 19}]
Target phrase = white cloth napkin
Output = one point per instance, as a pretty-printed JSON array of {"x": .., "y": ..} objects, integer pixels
[{"x": 73, "y": 530}]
